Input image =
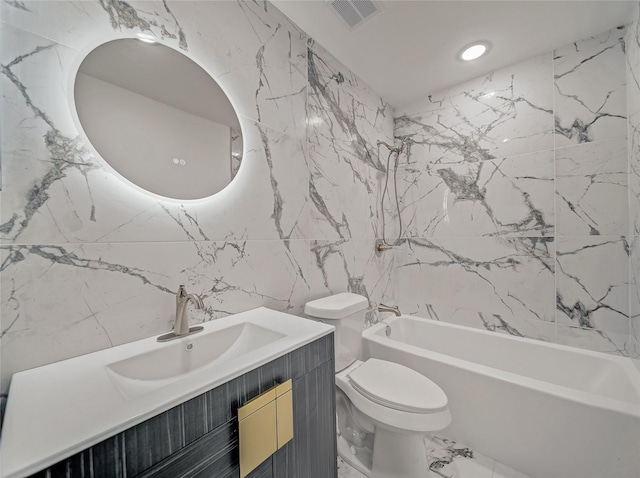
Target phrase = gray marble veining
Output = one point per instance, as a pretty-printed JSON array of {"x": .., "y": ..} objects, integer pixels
[
  {"x": 591, "y": 188},
  {"x": 485, "y": 188},
  {"x": 108, "y": 294},
  {"x": 506, "y": 324},
  {"x": 105, "y": 258},
  {"x": 476, "y": 163},
  {"x": 590, "y": 89},
  {"x": 345, "y": 119},
  {"x": 63, "y": 152},
  {"x": 593, "y": 283},
  {"x": 632, "y": 42},
  {"x": 351, "y": 264},
  {"x": 509, "y": 277},
  {"x": 536, "y": 151},
  {"x": 123, "y": 15}
]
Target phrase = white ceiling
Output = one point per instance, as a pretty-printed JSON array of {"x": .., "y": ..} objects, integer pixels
[{"x": 409, "y": 49}]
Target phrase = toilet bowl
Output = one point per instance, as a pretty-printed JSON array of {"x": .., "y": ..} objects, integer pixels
[{"x": 384, "y": 410}]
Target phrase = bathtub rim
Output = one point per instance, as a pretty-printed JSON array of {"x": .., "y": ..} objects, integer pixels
[{"x": 632, "y": 409}]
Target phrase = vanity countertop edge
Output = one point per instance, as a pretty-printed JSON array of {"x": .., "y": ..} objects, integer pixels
[{"x": 60, "y": 409}]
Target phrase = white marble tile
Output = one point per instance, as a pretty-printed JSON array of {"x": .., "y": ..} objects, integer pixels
[
  {"x": 591, "y": 339},
  {"x": 70, "y": 23},
  {"x": 450, "y": 459},
  {"x": 590, "y": 89},
  {"x": 634, "y": 334},
  {"x": 506, "y": 196},
  {"x": 634, "y": 288},
  {"x": 35, "y": 81},
  {"x": 532, "y": 329},
  {"x": 509, "y": 277},
  {"x": 632, "y": 57},
  {"x": 633, "y": 142},
  {"x": 118, "y": 253},
  {"x": 40, "y": 145},
  {"x": 633, "y": 350},
  {"x": 347, "y": 169},
  {"x": 591, "y": 188},
  {"x": 480, "y": 159},
  {"x": 24, "y": 349},
  {"x": 592, "y": 276},
  {"x": 505, "y": 113},
  {"x": 351, "y": 266},
  {"x": 632, "y": 43},
  {"x": 259, "y": 59},
  {"x": 632, "y": 49},
  {"x": 55, "y": 191},
  {"x": 100, "y": 295},
  {"x": 344, "y": 193},
  {"x": 476, "y": 170},
  {"x": 344, "y": 109},
  {"x": 256, "y": 54}
]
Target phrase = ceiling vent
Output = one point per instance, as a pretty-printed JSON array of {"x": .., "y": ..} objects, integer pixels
[{"x": 354, "y": 12}]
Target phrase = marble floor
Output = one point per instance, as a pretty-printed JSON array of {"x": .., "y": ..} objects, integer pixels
[{"x": 449, "y": 459}]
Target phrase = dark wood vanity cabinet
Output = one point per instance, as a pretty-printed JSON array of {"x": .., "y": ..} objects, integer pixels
[{"x": 199, "y": 438}]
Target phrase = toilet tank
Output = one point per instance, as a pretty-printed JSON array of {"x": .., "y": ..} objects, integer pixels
[{"x": 346, "y": 312}]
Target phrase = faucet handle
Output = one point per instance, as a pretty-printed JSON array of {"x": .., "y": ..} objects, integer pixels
[{"x": 182, "y": 291}]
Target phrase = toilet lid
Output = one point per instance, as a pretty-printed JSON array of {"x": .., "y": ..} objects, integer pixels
[{"x": 398, "y": 387}]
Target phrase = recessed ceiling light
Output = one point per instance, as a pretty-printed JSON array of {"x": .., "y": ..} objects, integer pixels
[{"x": 474, "y": 51}]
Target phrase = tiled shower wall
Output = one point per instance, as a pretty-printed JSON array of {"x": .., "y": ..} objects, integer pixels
[
  {"x": 516, "y": 199},
  {"x": 89, "y": 263},
  {"x": 633, "y": 142}
]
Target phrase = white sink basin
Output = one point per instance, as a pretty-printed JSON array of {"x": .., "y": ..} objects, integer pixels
[
  {"x": 148, "y": 371},
  {"x": 60, "y": 409}
]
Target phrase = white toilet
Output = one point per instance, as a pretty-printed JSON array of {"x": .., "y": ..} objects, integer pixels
[{"x": 384, "y": 409}]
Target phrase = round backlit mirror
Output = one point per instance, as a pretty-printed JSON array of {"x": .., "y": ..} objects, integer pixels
[{"x": 158, "y": 119}]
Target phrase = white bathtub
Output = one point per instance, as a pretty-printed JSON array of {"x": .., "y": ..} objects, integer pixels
[{"x": 546, "y": 410}]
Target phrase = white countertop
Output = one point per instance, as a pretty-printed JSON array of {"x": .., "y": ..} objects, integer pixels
[{"x": 63, "y": 408}]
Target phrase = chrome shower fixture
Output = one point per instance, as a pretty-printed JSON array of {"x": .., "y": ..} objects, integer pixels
[
  {"x": 391, "y": 149},
  {"x": 382, "y": 244}
]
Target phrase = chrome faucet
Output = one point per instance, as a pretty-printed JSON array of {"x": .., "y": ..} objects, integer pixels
[
  {"x": 181, "y": 327},
  {"x": 388, "y": 308}
]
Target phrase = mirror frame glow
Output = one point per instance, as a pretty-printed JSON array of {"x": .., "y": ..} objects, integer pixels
[{"x": 104, "y": 161}]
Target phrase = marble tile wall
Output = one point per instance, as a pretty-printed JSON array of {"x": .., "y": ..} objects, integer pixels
[
  {"x": 632, "y": 41},
  {"x": 515, "y": 190},
  {"x": 514, "y": 186},
  {"x": 89, "y": 263}
]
